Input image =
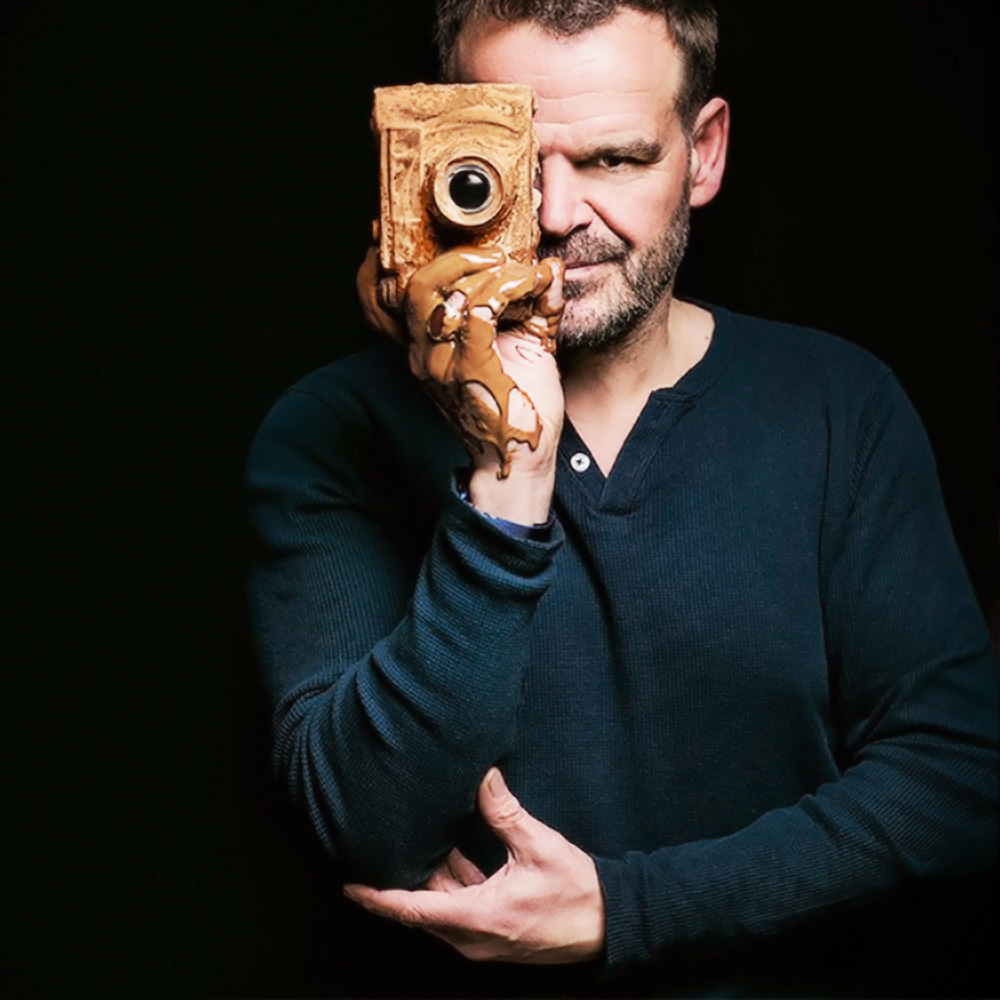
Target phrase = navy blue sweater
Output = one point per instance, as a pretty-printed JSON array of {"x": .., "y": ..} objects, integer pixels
[{"x": 747, "y": 672}]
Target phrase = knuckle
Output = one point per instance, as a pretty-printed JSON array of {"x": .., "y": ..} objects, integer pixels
[
  {"x": 410, "y": 916},
  {"x": 510, "y": 813},
  {"x": 436, "y": 882}
]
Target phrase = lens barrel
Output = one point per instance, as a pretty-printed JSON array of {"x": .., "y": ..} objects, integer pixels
[{"x": 468, "y": 193}]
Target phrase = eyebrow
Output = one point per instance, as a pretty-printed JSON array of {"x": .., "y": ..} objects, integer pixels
[{"x": 633, "y": 149}]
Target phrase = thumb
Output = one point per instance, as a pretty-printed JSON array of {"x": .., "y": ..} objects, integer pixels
[{"x": 507, "y": 818}]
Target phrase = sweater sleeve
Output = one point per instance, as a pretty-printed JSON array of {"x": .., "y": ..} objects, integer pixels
[
  {"x": 393, "y": 699},
  {"x": 913, "y": 685}
]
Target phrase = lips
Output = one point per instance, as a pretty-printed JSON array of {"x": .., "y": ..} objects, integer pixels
[
  {"x": 591, "y": 256},
  {"x": 579, "y": 266}
]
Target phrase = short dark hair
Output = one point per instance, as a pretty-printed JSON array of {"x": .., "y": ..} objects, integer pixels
[{"x": 692, "y": 25}]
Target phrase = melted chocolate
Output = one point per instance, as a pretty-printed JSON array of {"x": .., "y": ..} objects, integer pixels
[
  {"x": 430, "y": 138},
  {"x": 453, "y": 305}
]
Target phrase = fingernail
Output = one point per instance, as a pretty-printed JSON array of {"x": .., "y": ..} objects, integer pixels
[
  {"x": 351, "y": 893},
  {"x": 495, "y": 783}
]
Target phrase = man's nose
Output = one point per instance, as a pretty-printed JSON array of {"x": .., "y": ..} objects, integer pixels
[{"x": 564, "y": 205}]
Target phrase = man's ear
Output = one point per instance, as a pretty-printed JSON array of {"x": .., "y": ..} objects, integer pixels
[{"x": 709, "y": 142}]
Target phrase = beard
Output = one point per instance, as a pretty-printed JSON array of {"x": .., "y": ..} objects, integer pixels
[{"x": 602, "y": 312}]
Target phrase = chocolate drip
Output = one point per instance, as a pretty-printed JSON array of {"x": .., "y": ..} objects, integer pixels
[{"x": 453, "y": 306}]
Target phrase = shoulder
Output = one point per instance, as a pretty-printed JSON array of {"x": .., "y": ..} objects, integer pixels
[
  {"x": 359, "y": 381},
  {"x": 801, "y": 354},
  {"x": 813, "y": 379},
  {"x": 345, "y": 421},
  {"x": 358, "y": 394},
  {"x": 792, "y": 373},
  {"x": 796, "y": 383}
]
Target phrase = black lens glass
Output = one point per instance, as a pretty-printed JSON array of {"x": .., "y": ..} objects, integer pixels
[{"x": 469, "y": 189}]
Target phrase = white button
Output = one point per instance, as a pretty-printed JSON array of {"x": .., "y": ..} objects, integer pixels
[{"x": 580, "y": 462}]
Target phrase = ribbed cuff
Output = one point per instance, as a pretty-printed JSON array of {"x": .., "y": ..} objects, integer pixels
[{"x": 624, "y": 937}]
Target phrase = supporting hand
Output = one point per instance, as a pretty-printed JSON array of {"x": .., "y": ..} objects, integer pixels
[{"x": 544, "y": 907}]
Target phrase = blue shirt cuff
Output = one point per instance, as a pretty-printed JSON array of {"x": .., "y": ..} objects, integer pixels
[{"x": 526, "y": 532}]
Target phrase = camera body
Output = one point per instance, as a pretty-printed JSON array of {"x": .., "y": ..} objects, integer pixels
[{"x": 457, "y": 167}]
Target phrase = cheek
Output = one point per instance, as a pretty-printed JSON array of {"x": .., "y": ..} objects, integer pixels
[{"x": 637, "y": 211}]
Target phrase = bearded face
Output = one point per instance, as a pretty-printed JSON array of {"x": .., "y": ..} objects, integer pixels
[
  {"x": 604, "y": 307},
  {"x": 615, "y": 160}
]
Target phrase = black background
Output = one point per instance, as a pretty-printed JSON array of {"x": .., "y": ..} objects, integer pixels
[{"x": 188, "y": 188}]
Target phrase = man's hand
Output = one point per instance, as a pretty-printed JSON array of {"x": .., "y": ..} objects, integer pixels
[
  {"x": 544, "y": 907},
  {"x": 502, "y": 393}
]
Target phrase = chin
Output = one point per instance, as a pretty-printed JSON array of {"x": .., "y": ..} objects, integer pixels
[
  {"x": 592, "y": 319},
  {"x": 592, "y": 336}
]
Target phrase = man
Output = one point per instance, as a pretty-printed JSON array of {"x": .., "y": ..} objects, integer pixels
[{"x": 711, "y": 629}]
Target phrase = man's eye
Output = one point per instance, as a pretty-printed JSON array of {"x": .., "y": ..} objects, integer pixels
[{"x": 612, "y": 161}]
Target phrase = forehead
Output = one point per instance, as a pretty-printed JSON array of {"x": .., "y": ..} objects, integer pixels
[{"x": 621, "y": 77}]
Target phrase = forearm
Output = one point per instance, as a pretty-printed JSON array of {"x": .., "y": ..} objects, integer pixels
[
  {"x": 917, "y": 809},
  {"x": 386, "y": 751}
]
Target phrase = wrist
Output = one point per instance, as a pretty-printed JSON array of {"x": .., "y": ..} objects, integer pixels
[{"x": 523, "y": 497}]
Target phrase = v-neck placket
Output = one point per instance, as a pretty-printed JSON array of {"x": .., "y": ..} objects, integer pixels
[{"x": 618, "y": 493}]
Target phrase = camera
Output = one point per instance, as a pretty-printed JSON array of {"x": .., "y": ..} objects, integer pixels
[{"x": 457, "y": 167}]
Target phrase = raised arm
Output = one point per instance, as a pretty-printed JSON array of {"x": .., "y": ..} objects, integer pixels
[{"x": 394, "y": 695}]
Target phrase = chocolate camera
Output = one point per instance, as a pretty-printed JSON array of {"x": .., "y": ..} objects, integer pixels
[{"x": 457, "y": 168}]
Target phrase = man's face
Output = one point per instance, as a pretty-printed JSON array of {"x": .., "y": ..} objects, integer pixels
[{"x": 614, "y": 159}]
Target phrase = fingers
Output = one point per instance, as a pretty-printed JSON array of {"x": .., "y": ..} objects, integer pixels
[
  {"x": 438, "y": 914},
  {"x": 442, "y": 881},
  {"x": 463, "y": 869},
  {"x": 477, "y": 346},
  {"x": 455, "y": 872},
  {"x": 462, "y": 281},
  {"x": 431, "y": 284},
  {"x": 512, "y": 823},
  {"x": 552, "y": 272},
  {"x": 497, "y": 287},
  {"x": 549, "y": 303},
  {"x": 439, "y": 311},
  {"x": 429, "y": 909},
  {"x": 486, "y": 295},
  {"x": 549, "y": 910},
  {"x": 490, "y": 292},
  {"x": 393, "y": 904},
  {"x": 447, "y": 318},
  {"x": 367, "y": 288}
]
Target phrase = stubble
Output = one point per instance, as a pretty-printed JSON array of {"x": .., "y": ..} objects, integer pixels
[{"x": 602, "y": 312}]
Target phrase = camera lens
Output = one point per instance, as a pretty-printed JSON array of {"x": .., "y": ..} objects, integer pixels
[
  {"x": 469, "y": 188},
  {"x": 467, "y": 193}
]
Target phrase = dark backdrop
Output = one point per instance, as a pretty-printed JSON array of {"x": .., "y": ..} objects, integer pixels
[{"x": 187, "y": 190}]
